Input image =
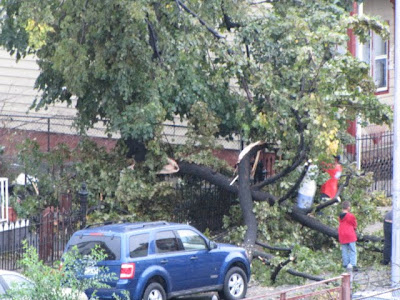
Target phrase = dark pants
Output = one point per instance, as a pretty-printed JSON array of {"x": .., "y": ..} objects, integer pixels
[{"x": 387, "y": 248}]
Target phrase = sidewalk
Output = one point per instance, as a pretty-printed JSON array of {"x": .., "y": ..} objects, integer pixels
[{"x": 393, "y": 294}]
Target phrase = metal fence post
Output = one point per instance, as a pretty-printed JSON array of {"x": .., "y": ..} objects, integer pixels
[
  {"x": 346, "y": 289},
  {"x": 83, "y": 199}
]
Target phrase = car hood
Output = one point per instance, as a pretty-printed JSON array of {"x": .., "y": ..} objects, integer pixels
[{"x": 230, "y": 247}]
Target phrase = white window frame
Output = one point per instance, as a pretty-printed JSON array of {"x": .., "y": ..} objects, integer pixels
[{"x": 372, "y": 59}]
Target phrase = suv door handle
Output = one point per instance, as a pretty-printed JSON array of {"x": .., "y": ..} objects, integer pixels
[
  {"x": 194, "y": 258},
  {"x": 164, "y": 261}
]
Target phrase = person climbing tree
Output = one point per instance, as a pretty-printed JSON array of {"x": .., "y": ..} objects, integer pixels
[{"x": 330, "y": 187}]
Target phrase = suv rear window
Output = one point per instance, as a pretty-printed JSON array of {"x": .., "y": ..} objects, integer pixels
[{"x": 110, "y": 245}]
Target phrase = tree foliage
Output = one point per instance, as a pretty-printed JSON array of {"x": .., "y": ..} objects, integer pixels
[
  {"x": 276, "y": 72},
  {"x": 135, "y": 64},
  {"x": 60, "y": 282}
]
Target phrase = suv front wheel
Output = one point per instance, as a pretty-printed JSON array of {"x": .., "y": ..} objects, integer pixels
[
  {"x": 154, "y": 291},
  {"x": 235, "y": 284}
]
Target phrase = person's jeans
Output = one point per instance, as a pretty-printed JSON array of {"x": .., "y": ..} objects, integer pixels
[{"x": 349, "y": 254}]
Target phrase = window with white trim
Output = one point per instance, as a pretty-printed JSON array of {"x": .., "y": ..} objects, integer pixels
[{"x": 375, "y": 53}]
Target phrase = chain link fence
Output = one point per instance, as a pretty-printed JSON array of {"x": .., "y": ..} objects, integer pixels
[
  {"x": 51, "y": 131},
  {"x": 48, "y": 132}
]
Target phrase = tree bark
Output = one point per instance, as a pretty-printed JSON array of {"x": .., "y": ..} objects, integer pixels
[{"x": 246, "y": 204}]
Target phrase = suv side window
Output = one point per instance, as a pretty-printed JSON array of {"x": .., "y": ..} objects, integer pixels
[
  {"x": 139, "y": 245},
  {"x": 191, "y": 240},
  {"x": 166, "y": 242}
]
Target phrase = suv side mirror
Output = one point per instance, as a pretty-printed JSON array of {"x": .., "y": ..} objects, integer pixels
[{"x": 213, "y": 245}]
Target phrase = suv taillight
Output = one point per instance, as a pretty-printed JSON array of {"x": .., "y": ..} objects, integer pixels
[{"x": 127, "y": 271}]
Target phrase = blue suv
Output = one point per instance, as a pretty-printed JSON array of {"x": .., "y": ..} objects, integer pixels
[{"x": 161, "y": 260}]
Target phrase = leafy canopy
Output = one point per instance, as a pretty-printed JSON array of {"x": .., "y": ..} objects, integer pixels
[
  {"x": 136, "y": 64},
  {"x": 277, "y": 72}
]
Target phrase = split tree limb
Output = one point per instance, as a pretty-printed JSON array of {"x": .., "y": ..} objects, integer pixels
[
  {"x": 279, "y": 268},
  {"x": 262, "y": 255},
  {"x": 299, "y": 157}
]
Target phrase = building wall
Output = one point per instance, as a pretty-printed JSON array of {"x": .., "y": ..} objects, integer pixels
[
  {"x": 17, "y": 93},
  {"x": 384, "y": 9}
]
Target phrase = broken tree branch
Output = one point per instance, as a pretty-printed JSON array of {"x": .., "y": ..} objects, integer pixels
[
  {"x": 273, "y": 248},
  {"x": 202, "y": 22},
  {"x": 295, "y": 187},
  {"x": 307, "y": 276},
  {"x": 153, "y": 40},
  {"x": 279, "y": 268},
  {"x": 298, "y": 158}
]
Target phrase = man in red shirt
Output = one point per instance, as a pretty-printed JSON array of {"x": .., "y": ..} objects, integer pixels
[
  {"x": 348, "y": 236},
  {"x": 330, "y": 187}
]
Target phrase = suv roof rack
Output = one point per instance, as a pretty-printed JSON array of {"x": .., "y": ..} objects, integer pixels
[
  {"x": 134, "y": 226},
  {"x": 103, "y": 223},
  {"x": 157, "y": 223}
]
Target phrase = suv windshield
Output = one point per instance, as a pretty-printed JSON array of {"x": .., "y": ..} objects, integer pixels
[{"x": 109, "y": 245}]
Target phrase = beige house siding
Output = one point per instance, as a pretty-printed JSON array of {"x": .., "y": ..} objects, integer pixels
[
  {"x": 17, "y": 93},
  {"x": 384, "y": 9}
]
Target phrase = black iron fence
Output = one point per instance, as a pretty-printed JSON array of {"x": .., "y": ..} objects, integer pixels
[
  {"x": 195, "y": 201},
  {"x": 376, "y": 156},
  {"x": 48, "y": 234},
  {"x": 201, "y": 203}
]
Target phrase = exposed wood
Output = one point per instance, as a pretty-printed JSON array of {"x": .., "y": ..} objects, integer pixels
[
  {"x": 246, "y": 204},
  {"x": 279, "y": 268}
]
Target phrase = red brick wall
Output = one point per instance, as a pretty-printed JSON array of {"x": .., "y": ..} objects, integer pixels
[{"x": 10, "y": 138}]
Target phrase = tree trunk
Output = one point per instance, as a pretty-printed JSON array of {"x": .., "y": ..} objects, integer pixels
[
  {"x": 246, "y": 204},
  {"x": 136, "y": 149}
]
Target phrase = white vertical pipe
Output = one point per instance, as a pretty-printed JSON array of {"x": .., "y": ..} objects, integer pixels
[
  {"x": 6, "y": 196},
  {"x": 396, "y": 155},
  {"x": 359, "y": 54},
  {"x": 4, "y": 211}
]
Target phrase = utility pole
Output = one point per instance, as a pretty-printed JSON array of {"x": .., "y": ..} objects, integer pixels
[
  {"x": 396, "y": 154},
  {"x": 359, "y": 53}
]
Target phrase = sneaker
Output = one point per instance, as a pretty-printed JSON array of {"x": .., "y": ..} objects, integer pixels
[{"x": 355, "y": 269}]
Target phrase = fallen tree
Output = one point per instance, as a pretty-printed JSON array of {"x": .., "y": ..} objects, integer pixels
[{"x": 272, "y": 71}]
